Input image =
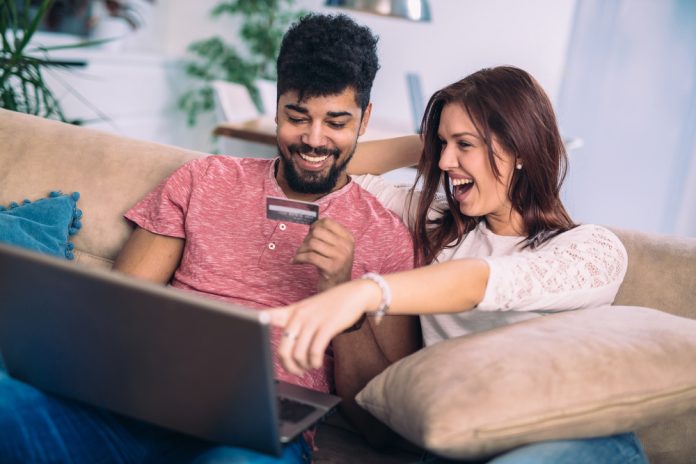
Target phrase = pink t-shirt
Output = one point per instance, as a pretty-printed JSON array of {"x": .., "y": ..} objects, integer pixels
[{"x": 233, "y": 252}]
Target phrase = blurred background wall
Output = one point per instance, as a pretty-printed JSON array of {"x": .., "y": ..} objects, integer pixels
[
  {"x": 621, "y": 74},
  {"x": 629, "y": 90}
]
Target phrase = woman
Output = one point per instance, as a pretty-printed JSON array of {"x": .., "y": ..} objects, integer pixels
[{"x": 500, "y": 246}]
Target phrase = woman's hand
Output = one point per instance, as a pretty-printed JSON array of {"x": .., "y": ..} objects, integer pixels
[{"x": 310, "y": 324}]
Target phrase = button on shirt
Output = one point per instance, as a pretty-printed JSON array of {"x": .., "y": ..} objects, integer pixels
[{"x": 234, "y": 252}]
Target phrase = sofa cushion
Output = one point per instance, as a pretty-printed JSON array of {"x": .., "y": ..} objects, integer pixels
[
  {"x": 576, "y": 374},
  {"x": 44, "y": 225},
  {"x": 111, "y": 172}
]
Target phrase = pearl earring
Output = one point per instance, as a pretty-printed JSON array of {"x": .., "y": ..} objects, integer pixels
[{"x": 518, "y": 166}]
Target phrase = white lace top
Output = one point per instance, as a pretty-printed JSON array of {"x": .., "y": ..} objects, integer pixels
[{"x": 580, "y": 268}]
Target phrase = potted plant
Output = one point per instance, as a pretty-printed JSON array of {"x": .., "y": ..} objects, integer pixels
[
  {"x": 23, "y": 87},
  {"x": 22, "y": 84},
  {"x": 263, "y": 23}
]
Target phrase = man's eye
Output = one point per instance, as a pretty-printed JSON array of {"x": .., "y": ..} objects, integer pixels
[
  {"x": 337, "y": 125},
  {"x": 295, "y": 120}
]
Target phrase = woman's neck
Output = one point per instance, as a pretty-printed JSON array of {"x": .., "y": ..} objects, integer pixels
[{"x": 510, "y": 225}]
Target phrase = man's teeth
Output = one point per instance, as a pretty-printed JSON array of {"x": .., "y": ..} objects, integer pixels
[
  {"x": 313, "y": 159},
  {"x": 457, "y": 182}
]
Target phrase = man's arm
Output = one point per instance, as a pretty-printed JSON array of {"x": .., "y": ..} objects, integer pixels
[
  {"x": 358, "y": 358},
  {"x": 150, "y": 256},
  {"x": 360, "y": 355}
]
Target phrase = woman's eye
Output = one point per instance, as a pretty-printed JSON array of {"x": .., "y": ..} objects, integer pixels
[{"x": 463, "y": 144}]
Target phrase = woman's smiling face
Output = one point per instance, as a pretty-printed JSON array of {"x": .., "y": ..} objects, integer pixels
[{"x": 464, "y": 157}]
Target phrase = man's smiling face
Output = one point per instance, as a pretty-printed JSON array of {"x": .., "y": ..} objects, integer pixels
[{"x": 316, "y": 139}]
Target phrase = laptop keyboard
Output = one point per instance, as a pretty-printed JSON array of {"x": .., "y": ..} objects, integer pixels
[{"x": 293, "y": 411}]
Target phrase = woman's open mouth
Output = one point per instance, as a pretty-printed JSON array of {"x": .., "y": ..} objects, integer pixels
[{"x": 460, "y": 187}]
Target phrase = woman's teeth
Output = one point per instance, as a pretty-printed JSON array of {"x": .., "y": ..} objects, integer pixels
[
  {"x": 313, "y": 159},
  {"x": 457, "y": 182}
]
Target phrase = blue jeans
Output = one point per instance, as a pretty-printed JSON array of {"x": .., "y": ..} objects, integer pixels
[
  {"x": 36, "y": 427},
  {"x": 615, "y": 449}
]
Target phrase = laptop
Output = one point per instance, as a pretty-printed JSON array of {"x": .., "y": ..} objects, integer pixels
[{"x": 153, "y": 353}]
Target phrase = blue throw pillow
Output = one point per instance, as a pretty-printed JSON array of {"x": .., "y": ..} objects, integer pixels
[{"x": 44, "y": 225}]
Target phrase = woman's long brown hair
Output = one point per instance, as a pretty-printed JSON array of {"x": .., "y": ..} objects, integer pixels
[{"x": 506, "y": 104}]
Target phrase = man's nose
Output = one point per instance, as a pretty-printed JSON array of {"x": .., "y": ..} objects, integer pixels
[{"x": 314, "y": 136}]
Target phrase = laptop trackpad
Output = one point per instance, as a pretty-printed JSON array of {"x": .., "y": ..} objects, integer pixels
[{"x": 299, "y": 408}]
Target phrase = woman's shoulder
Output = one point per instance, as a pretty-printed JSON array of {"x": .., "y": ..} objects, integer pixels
[
  {"x": 590, "y": 232},
  {"x": 376, "y": 184},
  {"x": 592, "y": 236},
  {"x": 401, "y": 198},
  {"x": 396, "y": 198}
]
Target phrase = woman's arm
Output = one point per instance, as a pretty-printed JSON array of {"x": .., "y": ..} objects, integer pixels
[
  {"x": 310, "y": 324},
  {"x": 380, "y": 156},
  {"x": 580, "y": 268}
]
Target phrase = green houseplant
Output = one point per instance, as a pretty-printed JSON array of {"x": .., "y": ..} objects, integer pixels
[
  {"x": 23, "y": 86},
  {"x": 263, "y": 23}
]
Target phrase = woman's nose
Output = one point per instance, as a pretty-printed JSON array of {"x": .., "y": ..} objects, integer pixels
[{"x": 448, "y": 159}]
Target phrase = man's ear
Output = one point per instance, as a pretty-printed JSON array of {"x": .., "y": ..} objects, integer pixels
[{"x": 365, "y": 118}]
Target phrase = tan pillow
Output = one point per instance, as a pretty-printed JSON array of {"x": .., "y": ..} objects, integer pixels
[{"x": 569, "y": 375}]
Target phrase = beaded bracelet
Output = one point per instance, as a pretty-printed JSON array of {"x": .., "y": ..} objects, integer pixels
[{"x": 386, "y": 295}]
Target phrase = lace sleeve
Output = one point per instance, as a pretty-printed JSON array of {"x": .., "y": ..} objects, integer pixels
[{"x": 581, "y": 268}]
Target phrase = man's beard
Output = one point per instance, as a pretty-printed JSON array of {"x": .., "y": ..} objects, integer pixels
[{"x": 313, "y": 182}]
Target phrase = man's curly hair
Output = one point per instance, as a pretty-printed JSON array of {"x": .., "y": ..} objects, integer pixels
[{"x": 324, "y": 54}]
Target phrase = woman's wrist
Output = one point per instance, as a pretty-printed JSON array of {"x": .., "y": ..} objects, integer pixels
[
  {"x": 375, "y": 298},
  {"x": 385, "y": 300},
  {"x": 370, "y": 298},
  {"x": 372, "y": 294}
]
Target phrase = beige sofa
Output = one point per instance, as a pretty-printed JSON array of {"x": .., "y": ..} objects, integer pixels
[{"x": 111, "y": 173}]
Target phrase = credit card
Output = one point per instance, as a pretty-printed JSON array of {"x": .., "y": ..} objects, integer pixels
[{"x": 283, "y": 209}]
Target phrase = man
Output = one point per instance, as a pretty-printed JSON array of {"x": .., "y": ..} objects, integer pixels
[{"x": 205, "y": 230}]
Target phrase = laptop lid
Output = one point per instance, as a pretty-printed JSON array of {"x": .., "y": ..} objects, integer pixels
[{"x": 154, "y": 353}]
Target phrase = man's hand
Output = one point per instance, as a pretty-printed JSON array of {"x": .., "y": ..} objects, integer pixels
[{"x": 329, "y": 246}]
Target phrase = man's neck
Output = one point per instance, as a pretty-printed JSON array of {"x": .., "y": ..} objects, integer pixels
[{"x": 294, "y": 195}]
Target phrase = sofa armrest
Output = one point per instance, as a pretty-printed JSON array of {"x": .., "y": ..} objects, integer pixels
[
  {"x": 111, "y": 173},
  {"x": 661, "y": 272}
]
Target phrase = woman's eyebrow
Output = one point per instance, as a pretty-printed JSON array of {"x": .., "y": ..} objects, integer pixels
[{"x": 460, "y": 134}]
